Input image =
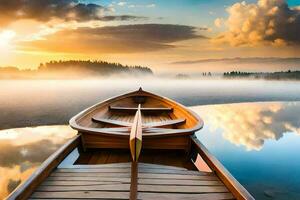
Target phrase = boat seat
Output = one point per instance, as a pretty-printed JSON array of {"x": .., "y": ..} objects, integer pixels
[
  {"x": 111, "y": 121},
  {"x": 148, "y": 125},
  {"x": 128, "y": 109},
  {"x": 146, "y": 130}
]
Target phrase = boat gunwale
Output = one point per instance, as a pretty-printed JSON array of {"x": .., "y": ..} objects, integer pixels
[{"x": 188, "y": 131}]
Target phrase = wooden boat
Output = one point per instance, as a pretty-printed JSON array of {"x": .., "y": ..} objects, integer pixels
[{"x": 135, "y": 146}]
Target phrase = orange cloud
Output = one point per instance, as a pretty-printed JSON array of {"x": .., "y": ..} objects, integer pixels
[
  {"x": 114, "y": 39},
  {"x": 266, "y": 22}
]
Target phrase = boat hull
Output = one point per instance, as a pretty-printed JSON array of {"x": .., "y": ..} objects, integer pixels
[{"x": 166, "y": 123}]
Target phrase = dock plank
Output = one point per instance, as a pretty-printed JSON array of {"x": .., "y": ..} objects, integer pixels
[
  {"x": 182, "y": 189},
  {"x": 81, "y": 195},
  {"x": 172, "y": 196},
  {"x": 55, "y": 188},
  {"x": 178, "y": 182},
  {"x": 82, "y": 183},
  {"x": 126, "y": 170},
  {"x": 113, "y": 181}
]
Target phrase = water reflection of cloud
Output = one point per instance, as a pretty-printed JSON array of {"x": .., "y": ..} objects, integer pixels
[
  {"x": 251, "y": 124},
  {"x": 23, "y": 149}
]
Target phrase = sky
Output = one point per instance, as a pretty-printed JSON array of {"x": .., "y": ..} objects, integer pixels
[{"x": 179, "y": 35}]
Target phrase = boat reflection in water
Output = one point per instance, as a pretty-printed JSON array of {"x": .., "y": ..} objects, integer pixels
[
  {"x": 22, "y": 150},
  {"x": 258, "y": 143}
]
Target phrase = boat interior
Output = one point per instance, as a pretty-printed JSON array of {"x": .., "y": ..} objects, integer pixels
[{"x": 158, "y": 115}]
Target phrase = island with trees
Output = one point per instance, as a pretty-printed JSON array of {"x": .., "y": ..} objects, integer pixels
[
  {"x": 282, "y": 75},
  {"x": 75, "y": 69}
]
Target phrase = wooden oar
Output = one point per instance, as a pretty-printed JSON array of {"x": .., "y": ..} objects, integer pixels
[{"x": 135, "y": 141}]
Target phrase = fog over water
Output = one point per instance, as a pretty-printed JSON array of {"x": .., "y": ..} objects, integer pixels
[{"x": 45, "y": 102}]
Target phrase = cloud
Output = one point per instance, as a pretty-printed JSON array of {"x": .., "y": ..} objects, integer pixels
[
  {"x": 245, "y": 60},
  {"x": 122, "y": 3},
  {"x": 115, "y": 39},
  {"x": 266, "y": 22},
  {"x": 151, "y": 5},
  {"x": 250, "y": 125},
  {"x": 67, "y": 10},
  {"x": 259, "y": 64},
  {"x": 121, "y": 18},
  {"x": 218, "y": 22}
]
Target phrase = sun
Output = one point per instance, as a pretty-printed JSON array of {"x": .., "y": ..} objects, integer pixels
[{"x": 6, "y": 38}]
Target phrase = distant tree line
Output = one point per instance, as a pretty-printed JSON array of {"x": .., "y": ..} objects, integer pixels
[
  {"x": 206, "y": 74},
  {"x": 75, "y": 69},
  {"x": 293, "y": 75},
  {"x": 99, "y": 67}
]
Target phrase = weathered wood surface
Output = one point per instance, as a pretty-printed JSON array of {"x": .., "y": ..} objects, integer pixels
[
  {"x": 111, "y": 121},
  {"x": 131, "y": 181},
  {"x": 168, "y": 158},
  {"x": 126, "y": 109},
  {"x": 162, "y": 117},
  {"x": 160, "y": 123},
  {"x": 135, "y": 139},
  {"x": 134, "y": 181}
]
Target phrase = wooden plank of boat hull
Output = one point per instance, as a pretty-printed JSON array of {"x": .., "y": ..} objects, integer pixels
[
  {"x": 172, "y": 142},
  {"x": 181, "y": 189},
  {"x": 113, "y": 158},
  {"x": 115, "y": 145},
  {"x": 171, "y": 196},
  {"x": 94, "y": 158},
  {"x": 81, "y": 195},
  {"x": 148, "y": 165},
  {"x": 94, "y": 141}
]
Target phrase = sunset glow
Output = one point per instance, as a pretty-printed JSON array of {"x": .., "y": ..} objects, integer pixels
[
  {"x": 6, "y": 37},
  {"x": 150, "y": 33}
]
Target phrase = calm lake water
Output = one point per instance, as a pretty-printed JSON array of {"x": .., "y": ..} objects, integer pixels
[{"x": 257, "y": 142}]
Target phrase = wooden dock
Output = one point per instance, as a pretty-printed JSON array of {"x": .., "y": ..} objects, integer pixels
[
  {"x": 91, "y": 177},
  {"x": 113, "y": 181}
]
